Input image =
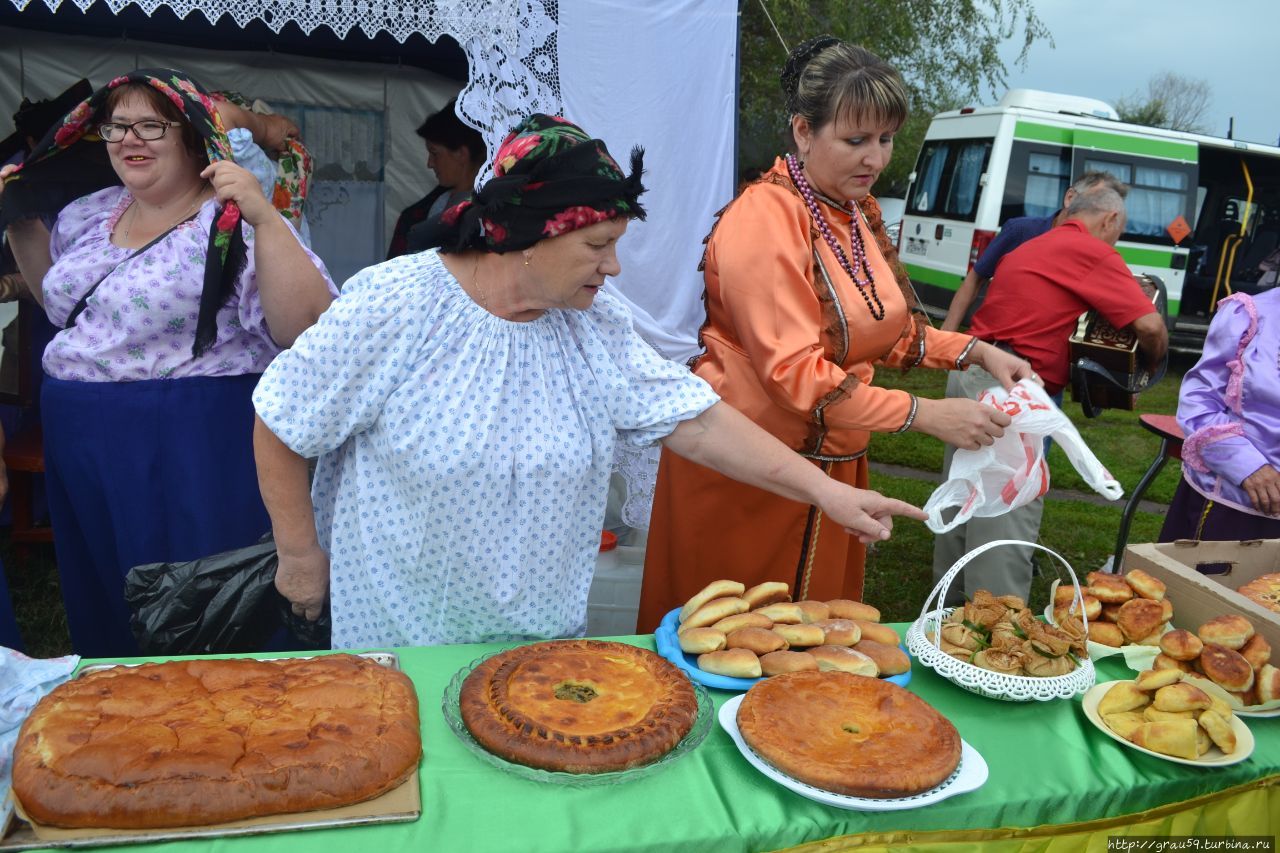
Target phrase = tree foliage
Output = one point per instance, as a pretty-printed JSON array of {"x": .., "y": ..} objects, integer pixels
[
  {"x": 947, "y": 51},
  {"x": 1171, "y": 101}
]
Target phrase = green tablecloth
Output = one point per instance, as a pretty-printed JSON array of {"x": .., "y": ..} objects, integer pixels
[{"x": 1048, "y": 766}]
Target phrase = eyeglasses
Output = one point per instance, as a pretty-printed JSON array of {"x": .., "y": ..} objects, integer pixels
[{"x": 148, "y": 130}]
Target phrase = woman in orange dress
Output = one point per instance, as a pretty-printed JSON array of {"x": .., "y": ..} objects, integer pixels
[{"x": 804, "y": 295}]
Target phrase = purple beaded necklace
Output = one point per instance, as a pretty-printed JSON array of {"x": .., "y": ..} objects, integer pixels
[{"x": 860, "y": 270}]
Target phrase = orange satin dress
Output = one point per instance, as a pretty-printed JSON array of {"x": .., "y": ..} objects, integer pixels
[{"x": 791, "y": 343}]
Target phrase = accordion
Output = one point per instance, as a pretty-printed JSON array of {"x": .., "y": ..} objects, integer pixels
[{"x": 1106, "y": 368}]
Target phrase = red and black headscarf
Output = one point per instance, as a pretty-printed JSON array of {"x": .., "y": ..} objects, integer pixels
[
  {"x": 46, "y": 165},
  {"x": 549, "y": 178}
]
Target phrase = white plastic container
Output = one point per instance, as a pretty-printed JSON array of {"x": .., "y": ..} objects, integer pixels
[{"x": 614, "y": 600}]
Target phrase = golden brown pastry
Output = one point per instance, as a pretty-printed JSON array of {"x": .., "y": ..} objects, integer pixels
[
  {"x": 1267, "y": 683},
  {"x": 761, "y": 641},
  {"x": 1163, "y": 661},
  {"x": 839, "y": 632},
  {"x": 1106, "y": 633},
  {"x": 776, "y": 663},
  {"x": 1168, "y": 737},
  {"x": 1247, "y": 698},
  {"x": 742, "y": 620},
  {"x": 890, "y": 660},
  {"x": 1124, "y": 723},
  {"x": 207, "y": 741},
  {"x": 1139, "y": 617},
  {"x": 813, "y": 611},
  {"x": 1153, "y": 714},
  {"x": 698, "y": 641},
  {"x": 1123, "y": 696},
  {"x": 1167, "y": 606},
  {"x": 713, "y": 611},
  {"x": 1219, "y": 730},
  {"x": 1264, "y": 590},
  {"x": 784, "y": 612},
  {"x": 843, "y": 608},
  {"x": 1257, "y": 651},
  {"x": 1203, "y": 741},
  {"x": 735, "y": 663},
  {"x": 710, "y": 592},
  {"x": 876, "y": 632},
  {"x": 1154, "y": 679},
  {"x": 1232, "y": 631},
  {"x": 1181, "y": 697},
  {"x": 1064, "y": 595},
  {"x": 578, "y": 706},
  {"x": 1110, "y": 612},
  {"x": 767, "y": 593},
  {"x": 1145, "y": 585},
  {"x": 1108, "y": 588},
  {"x": 1152, "y": 639},
  {"x": 1226, "y": 667},
  {"x": 848, "y": 734},
  {"x": 801, "y": 635},
  {"x": 1181, "y": 644},
  {"x": 844, "y": 659}
]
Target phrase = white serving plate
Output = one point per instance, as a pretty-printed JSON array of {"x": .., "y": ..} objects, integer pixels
[
  {"x": 1213, "y": 758},
  {"x": 970, "y": 775}
]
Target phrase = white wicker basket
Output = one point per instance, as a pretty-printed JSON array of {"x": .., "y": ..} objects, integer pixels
[{"x": 995, "y": 685}]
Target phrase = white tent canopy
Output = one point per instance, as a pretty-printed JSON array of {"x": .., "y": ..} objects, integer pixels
[{"x": 660, "y": 74}]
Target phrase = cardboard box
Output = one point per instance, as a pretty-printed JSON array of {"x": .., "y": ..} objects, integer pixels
[{"x": 1202, "y": 578}]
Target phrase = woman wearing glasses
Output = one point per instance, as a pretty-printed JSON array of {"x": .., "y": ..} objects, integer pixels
[{"x": 173, "y": 292}]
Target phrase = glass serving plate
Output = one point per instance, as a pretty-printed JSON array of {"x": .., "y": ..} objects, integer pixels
[{"x": 453, "y": 717}]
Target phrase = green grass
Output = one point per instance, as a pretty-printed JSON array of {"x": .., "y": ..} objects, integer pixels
[
  {"x": 32, "y": 575},
  {"x": 1115, "y": 437}
]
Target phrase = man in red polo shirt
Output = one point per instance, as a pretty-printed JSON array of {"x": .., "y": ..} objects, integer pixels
[{"x": 1044, "y": 286}]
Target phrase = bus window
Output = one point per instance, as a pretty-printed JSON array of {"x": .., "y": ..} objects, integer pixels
[
  {"x": 971, "y": 162},
  {"x": 1157, "y": 195},
  {"x": 933, "y": 157},
  {"x": 1048, "y": 176}
]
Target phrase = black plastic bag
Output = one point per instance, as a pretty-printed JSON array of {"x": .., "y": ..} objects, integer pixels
[{"x": 224, "y": 603}]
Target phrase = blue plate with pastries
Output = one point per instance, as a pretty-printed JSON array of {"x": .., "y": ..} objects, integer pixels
[{"x": 669, "y": 647}]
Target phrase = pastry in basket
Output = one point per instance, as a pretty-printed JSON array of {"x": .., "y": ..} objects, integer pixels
[
  {"x": 1009, "y": 639},
  {"x": 578, "y": 706},
  {"x": 849, "y": 734},
  {"x": 188, "y": 743},
  {"x": 1264, "y": 590}
]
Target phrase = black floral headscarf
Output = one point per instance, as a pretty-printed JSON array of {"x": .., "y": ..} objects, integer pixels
[
  {"x": 226, "y": 252},
  {"x": 549, "y": 178}
]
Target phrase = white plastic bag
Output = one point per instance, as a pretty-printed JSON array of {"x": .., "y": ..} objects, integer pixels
[{"x": 1012, "y": 472}]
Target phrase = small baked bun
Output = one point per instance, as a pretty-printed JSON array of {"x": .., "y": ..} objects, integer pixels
[
  {"x": 890, "y": 660},
  {"x": 1163, "y": 661},
  {"x": 1139, "y": 617},
  {"x": 1108, "y": 588},
  {"x": 735, "y": 663},
  {"x": 1063, "y": 595},
  {"x": 1168, "y": 737},
  {"x": 1248, "y": 698},
  {"x": 776, "y": 663},
  {"x": 1257, "y": 651},
  {"x": 801, "y": 635},
  {"x": 742, "y": 620},
  {"x": 767, "y": 593},
  {"x": 1106, "y": 633},
  {"x": 1123, "y": 696},
  {"x": 699, "y": 641},
  {"x": 1232, "y": 631},
  {"x": 710, "y": 592},
  {"x": 844, "y": 659},
  {"x": 839, "y": 632},
  {"x": 1110, "y": 612},
  {"x": 761, "y": 641},
  {"x": 713, "y": 611},
  {"x": 1220, "y": 731},
  {"x": 1152, "y": 714},
  {"x": 1181, "y": 644},
  {"x": 783, "y": 612},
  {"x": 843, "y": 608},
  {"x": 1181, "y": 697},
  {"x": 1226, "y": 667},
  {"x": 1092, "y": 608},
  {"x": 1203, "y": 741},
  {"x": 1145, "y": 585},
  {"x": 1152, "y": 639},
  {"x": 813, "y": 611},
  {"x": 1219, "y": 705},
  {"x": 878, "y": 633},
  {"x": 1267, "y": 683},
  {"x": 1154, "y": 679},
  {"x": 1167, "y": 605},
  {"x": 1124, "y": 723}
]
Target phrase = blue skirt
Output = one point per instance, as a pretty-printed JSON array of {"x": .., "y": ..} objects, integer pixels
[{"x": 144, "y": 472}]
